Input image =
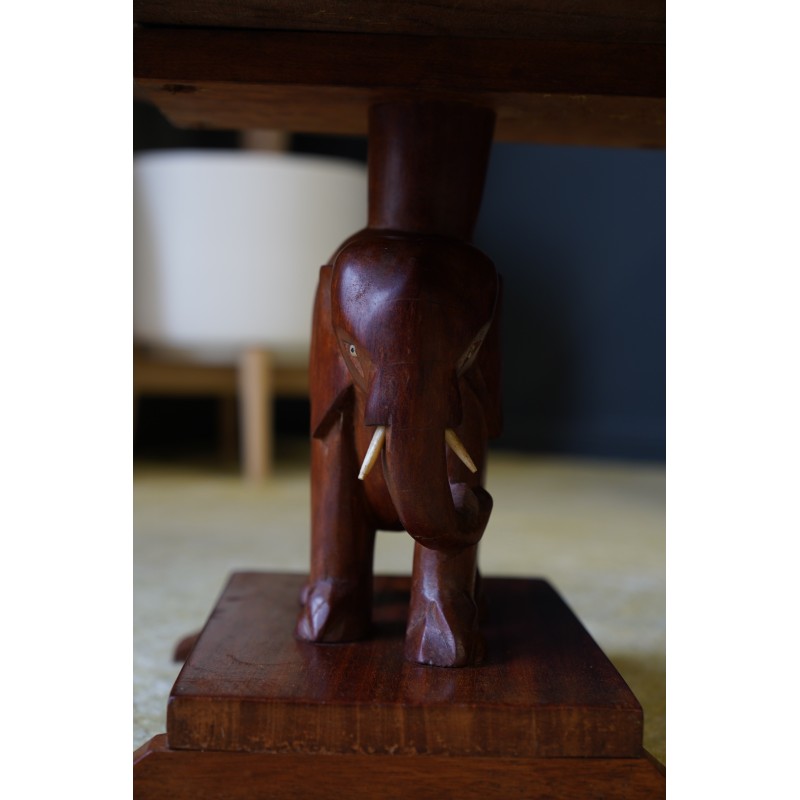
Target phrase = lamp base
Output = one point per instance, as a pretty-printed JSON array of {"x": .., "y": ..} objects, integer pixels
[{"x": 256, "y": 713}]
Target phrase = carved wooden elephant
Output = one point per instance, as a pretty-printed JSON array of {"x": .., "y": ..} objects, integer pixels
[{"x": 405, "y": 368}]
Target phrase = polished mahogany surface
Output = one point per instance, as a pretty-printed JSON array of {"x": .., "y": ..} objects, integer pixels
[{"x": 545, "y": 688}]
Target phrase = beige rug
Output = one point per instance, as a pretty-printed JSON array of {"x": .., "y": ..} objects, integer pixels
[{"x": 595, "y": 530}]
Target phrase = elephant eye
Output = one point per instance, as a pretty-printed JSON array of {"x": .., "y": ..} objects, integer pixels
[{"x": 354, "y": 361}]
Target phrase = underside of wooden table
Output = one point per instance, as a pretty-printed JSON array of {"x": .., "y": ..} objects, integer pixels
[{"x": 577, "y": 75}]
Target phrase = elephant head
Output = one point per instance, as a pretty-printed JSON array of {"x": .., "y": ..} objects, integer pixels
[{"x": 409, "y": 326}]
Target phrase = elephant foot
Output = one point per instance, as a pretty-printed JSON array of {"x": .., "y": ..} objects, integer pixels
[
  {"x": 444, "y": 633},
  {"x": 334, "y": 611}
]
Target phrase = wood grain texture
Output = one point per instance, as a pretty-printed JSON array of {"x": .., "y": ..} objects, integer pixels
[
  {"x": 579, "y": 20},
  {"x": 551, "y": 91},
  {"x": 545, "y": 690},
  {"x": 164, "y": 774},
  {"x": 402, "y": 314}
]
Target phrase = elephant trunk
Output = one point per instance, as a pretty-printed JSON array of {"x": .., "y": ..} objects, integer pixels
[{"x": 437, "y": 513}]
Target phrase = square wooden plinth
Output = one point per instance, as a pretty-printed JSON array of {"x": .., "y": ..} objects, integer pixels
[{"x": 545, "y": 715}]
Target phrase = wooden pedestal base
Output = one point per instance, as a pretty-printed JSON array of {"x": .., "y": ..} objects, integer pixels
[{"x": 255, "y": 713}]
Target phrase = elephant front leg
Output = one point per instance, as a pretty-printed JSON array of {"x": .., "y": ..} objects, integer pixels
[
  {"x": 337, "y": 601},
  {"x": 443, "y": 615}
]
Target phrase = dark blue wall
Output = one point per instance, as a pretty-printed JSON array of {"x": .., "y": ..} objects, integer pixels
[{"x": 579, "y": 236}]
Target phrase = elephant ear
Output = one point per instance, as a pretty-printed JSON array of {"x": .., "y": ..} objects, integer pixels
[
  {"x": 486, "y": 375},
  {"x": 331, "y": 384}
]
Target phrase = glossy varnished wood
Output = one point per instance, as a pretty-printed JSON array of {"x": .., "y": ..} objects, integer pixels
[
  {"x": 545, "y": 689},
  {"x": 405, "y": 348}
]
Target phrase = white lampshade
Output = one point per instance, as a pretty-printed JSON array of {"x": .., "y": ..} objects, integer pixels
[{"x": 228, "y": 245}]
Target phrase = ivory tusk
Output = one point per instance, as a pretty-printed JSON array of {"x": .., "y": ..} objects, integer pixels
[
  {"x": 455, "y": 445},
  {"x": 373, "y": 451}
]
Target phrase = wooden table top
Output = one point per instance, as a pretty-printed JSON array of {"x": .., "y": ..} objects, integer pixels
[{"x": 568, "y": 73}]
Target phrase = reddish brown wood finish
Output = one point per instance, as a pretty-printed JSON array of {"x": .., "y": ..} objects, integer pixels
[
  {"x": 255, "y": 713},
  {"x": 405, "y": 340},
  {"x": 545, "y": 689},
  {"x": 546, "y": 715},
  {"x": 427, "y": 167},
  {"x": 601, "y": 92},
  {"x": 184, "y": 647},
  {"x": 164, "y": 774}
]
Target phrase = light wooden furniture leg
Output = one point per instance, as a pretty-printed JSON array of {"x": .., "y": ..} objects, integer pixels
[
  {"x": 253, "y": 383},
  {"x": 255, "y": 403}
]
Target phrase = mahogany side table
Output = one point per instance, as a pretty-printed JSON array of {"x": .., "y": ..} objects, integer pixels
[{"x": 256, "y": 713}]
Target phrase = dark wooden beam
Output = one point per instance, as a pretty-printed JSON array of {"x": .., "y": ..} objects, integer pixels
[
  {"x": 633, "y": 21},
  {"x": 571, "y": 92}
]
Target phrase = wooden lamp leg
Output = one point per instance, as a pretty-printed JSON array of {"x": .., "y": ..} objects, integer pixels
[{"x": 255, "y": 404}]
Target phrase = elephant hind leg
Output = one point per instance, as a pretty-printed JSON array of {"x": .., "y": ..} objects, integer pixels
[{"x": 442, "y": 627}]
